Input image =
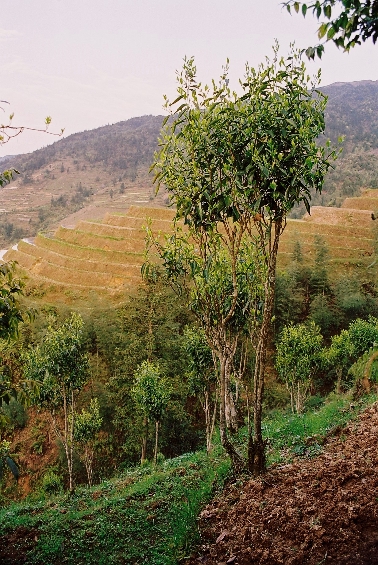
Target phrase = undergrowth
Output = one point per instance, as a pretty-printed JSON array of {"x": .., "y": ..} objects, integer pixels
[
  {"x": 292, "y": 435},
  {"x": 146, "y": 516}
]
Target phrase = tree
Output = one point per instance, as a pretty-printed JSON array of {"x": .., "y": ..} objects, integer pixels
[
  {"x": 87, "y": 425},
  {"x": 220, "y": 275},
  {"x": 11, "y": 315},
  {"x": 202, "y": 377},
  {"x": 151, "y": 393},
  {"x": 245, "y": 161},
  {"x": 60, "y": 366},
  {"x": 363, "y": 335},
  {"x": 339, "y": 356},
  {"x": 354, "y": 22},
  {"x": 298, "y": 351}
]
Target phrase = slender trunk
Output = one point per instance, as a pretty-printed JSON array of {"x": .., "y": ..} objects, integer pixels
[
  {"x": 156, "y": 441},
  {"x": 238, "y": 465},
  {"x": 256, "y": 447},
  {"x": 71, "y": 440},
  {"x": 144, "y": 440},
  {"x": 206, "y": 407},
  {"x": 230, "y": 409},
  {"x": 66, "y": 442},
  {"x": 339, "y": 373}
]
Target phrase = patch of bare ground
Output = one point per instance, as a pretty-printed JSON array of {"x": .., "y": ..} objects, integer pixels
[
  {"x": 323, "y": 510},
  {"x": 15, "y": 546}
]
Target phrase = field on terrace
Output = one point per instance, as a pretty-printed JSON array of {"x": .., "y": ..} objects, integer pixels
[{"x": 106, "y": 256}]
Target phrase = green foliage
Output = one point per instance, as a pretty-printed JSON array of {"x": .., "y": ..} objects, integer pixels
[
  {"x": 298, "y": 351},
  {"x": 88, "y": 423},
  {"x": 60, "y": 364},
  {"x": 366, "y": 367},
  {"x": 15, "y": 413},
  {"x": 51, "y": 482},
  {"x": 270, "y": 143},
  {"x": 347, "y": 22},
  {"x": 151, "y": 391},
  {"x": 363, "y": 335},
  {"x": 201, "y": 371}
]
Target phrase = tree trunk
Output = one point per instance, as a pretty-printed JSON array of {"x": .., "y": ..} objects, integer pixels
[
  {"x": 256, "y": 444},
  {"x": 156, "y": 441},
  {"x": 230, "y": 409},
  {"x": 144, "y": 441},
  {"x": 339, "y": 373},
  {"x": 238, "y": 464}
]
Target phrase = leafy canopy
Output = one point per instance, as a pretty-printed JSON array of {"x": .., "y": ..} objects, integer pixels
[
  {"x": 229, "y": 156},
  {"x": 348, "y": 22},
  {"x": 60, "y": 364}
]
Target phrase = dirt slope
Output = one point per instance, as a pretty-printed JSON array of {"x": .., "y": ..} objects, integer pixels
[{"x": 323, "y": 510}]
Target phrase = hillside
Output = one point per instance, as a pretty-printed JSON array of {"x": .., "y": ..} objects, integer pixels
[
  {"x": 80, "y": 177},
  {"x": 103, "y": 170},
  {"x": 322, "y": 510},
  {"x": 107, "y": 255}
]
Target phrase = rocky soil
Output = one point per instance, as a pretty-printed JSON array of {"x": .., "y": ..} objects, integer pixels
[{"x": 323, "y": 510}]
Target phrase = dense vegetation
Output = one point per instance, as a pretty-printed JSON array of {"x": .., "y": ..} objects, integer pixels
[{"x": 215, "y": 339}]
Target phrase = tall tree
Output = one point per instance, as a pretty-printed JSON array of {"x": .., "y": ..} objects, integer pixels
[
  {"x": 60, "y": 366},
  {"x": 151, "y": 393},
  {"x": 244, "y": 162}
]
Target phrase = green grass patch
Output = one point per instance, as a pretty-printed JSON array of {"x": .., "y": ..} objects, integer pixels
[
  {"x": 146, "y": 516},
  {"x": 292, "y": 435}
]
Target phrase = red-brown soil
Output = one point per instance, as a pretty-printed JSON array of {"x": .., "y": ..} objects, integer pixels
[{"x": 323, "y": 510}]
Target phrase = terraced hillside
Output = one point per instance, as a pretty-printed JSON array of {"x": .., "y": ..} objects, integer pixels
[
  {"x": 108, "y": 255},
  {"x": 94, "y": 255}
]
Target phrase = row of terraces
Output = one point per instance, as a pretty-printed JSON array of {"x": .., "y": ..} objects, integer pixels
[
  {"x": 109, "y": 254},
  {"x": 94, "y": 255}
]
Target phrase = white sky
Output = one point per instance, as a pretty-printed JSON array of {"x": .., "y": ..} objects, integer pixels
[{"x": 88, "y": 63}]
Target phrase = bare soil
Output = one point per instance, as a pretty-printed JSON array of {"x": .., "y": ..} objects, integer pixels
[{"x": 323, "y": 510}]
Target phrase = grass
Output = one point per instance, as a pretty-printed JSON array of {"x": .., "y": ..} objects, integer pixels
[
  {"x": 146, "y": 516},
  {"x": 304, "y": 434}
]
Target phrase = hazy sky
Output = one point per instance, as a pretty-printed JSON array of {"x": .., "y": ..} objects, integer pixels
[{"x": 88, "y": 63}]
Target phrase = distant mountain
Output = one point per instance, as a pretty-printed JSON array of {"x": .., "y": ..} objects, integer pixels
[
  {"x": 82, "y": 176},
  {"x": 106, "y": 169},
  {"x": 352, "y": 112}
]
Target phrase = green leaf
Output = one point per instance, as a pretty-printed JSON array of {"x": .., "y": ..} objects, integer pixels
[
  {"x": 319, "y": 51},
  {"x": 322, "y": 30},
  {"x": 331, "y": 33},
  {"x": 304, "y": 10},
  {"x": 296, "y": 6},
  {"x": 327, "y": 11},
  {"x": 177, "y": 100}
]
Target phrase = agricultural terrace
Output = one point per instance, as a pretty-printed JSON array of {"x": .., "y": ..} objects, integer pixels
[{"x": 108, "y": 255}]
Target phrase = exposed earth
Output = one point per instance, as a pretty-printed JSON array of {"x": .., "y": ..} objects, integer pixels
[{"x": 323, "y": 510}]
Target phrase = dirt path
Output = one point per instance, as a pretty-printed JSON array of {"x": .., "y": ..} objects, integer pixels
[{"x": 323, "y": 510}]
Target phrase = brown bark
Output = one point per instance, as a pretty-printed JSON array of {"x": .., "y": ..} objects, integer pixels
[
  {"x": 156, "y": 441},
  {"x": 256, "y": 446},
  {"x": 144, "y": 441},
  {"x": 238, "y": 464}
]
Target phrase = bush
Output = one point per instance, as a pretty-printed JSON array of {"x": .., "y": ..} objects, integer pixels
[
  {"x": 51, "y": 482},
  {"x": 15, "y": 413}
]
